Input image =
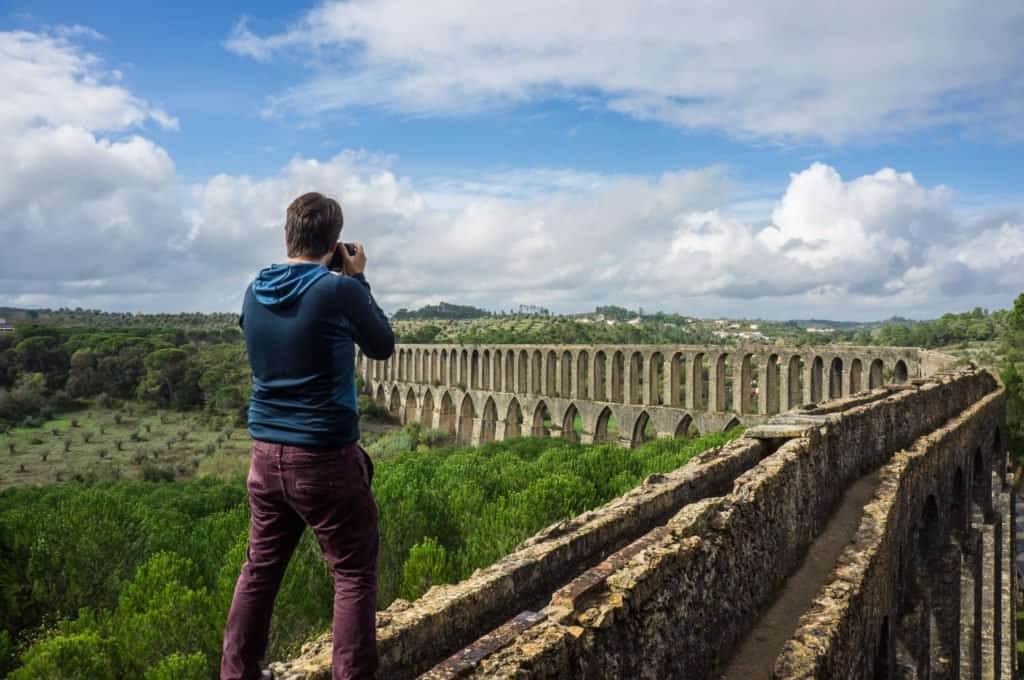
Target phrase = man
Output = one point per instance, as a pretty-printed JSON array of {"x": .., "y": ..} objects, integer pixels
[{"x": 301, "y": 322}]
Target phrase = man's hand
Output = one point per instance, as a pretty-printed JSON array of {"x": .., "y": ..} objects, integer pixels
[{"x": 354, "y": 264}]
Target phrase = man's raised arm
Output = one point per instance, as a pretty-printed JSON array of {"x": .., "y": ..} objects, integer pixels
[{"x": 370, "y": 326}]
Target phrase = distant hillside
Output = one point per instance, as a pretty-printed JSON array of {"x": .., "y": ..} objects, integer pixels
[
  {"x": 95, "y": 318},
  {"x": 443, "y": 310}
]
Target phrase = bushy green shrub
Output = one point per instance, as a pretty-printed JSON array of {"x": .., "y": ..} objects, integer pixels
[
  {"x": 369, "y": 409},
  {"x": 179, "y": 666},
  {"x": 433, "y": 438},
  {"x": 158, "y": 473},
  {"x": 391, "y": 443}
]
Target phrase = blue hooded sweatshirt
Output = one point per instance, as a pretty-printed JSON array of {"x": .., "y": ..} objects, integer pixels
[{"x": 301, "y": 325}]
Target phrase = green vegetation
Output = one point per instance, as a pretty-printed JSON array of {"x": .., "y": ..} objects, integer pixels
[
  {"x": 133, "y": 578},
  {"x": 549, "y": 330},
  {"x": 949, "y": 330},
  {"x": 1012, "y": 373},
  {"x": 443, "y": 310},
  {"x": 45, "y": 370}
]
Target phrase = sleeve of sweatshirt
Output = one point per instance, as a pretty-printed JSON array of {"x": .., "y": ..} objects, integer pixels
[{"x": 370, "y": 326}]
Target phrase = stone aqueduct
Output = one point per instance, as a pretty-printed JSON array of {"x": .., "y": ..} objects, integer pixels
[
  {"x": 868, "y": 537},
  {"x": 481, "y": 393}
]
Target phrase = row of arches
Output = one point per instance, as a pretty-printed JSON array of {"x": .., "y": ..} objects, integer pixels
[
  {"x": 936, "y": 571},
  {"x": 744, "y": 382},
  {"x": 458, "y": 414}
]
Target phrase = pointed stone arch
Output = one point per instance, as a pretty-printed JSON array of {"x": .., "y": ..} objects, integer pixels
[
  {"x": 565, "y": 375},
  {"x": 656, "y": 380},
  {"x": 817, "y": 379},
  {"x": 772, "y": 385},
  {"x": 746, "y": 388},
  {"x": 380, "y": 398},
  {"x": 606, "y": 426},
  {"x": 427, "y": 410},
  {"x": 835, "y": 378},
  {"x": 856, "y": 375},
  {"x": 682, "y": 430},
  {"x": 636, "y": 380},
  {"x": 510, "y": 371},
  {"x": 618, "y": 377},
  {"x": 600, "y": 376},
  {"x": 395, "y": 405},
  {"x": 876, "y": 374},
  {"x": 641, "y": 431},
  {"x": 522, "y": 364},
  {"x": 411, "y": 411},
  {"x": 677, "y": 380},
  {"x": 958, "y": 504},
  {"x": 467, "y": 413},
  {"x": 496, "y": 371},
  {"x": 723, "y": 382},
  {"x": 583, "y": 375},
  {"x": 447, "y": 419},
  {"x": 980, "y": 482},
  {"x": 699, "y": 379},
  {"x": 733, "y": 422},
  {"x": 536, "y": 370},
  {"x": 489, "y": 421},
  {"x": 541, "y": 418},
  {"x": 899, "y": 372},
  {"x": 551, "y": 374},
  {"x": 795, "y": 382},
  {"x": 514, "y": 420},
  {"x": 569, "y": 422}
]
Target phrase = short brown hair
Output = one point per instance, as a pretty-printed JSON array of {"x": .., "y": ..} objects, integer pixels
[{"x": 313, "y": 225}]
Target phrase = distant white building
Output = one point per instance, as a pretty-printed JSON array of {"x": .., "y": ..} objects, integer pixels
[{"x": 6, "y": 327}]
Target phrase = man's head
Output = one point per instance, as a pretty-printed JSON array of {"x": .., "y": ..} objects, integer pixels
[{"x": 313, "y": 225}]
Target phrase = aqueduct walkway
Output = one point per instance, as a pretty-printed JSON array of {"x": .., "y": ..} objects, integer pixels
[{"x": 623, "y": 393}]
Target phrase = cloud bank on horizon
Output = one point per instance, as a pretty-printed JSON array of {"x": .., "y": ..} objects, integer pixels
[{"x": 93, "y": 213}]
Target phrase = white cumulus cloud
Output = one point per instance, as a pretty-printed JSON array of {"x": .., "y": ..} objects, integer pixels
[{"x": 788, "y": 69}]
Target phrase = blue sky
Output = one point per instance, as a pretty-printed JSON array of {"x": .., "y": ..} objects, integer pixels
[{"x": 740, "y": 157}]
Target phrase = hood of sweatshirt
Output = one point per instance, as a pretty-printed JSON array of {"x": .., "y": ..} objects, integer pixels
[{"x": 280, "y": 285}]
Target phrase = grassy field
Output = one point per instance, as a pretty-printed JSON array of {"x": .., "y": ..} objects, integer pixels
[
  {"x": 132, "y": 442},
  {"x": 127, "y": 443}
]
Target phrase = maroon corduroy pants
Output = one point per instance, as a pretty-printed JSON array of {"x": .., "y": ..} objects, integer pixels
[{"x": 329, "y": 490}]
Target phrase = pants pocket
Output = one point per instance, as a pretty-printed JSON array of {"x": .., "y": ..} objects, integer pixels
[{"x": 367, "y": 465}]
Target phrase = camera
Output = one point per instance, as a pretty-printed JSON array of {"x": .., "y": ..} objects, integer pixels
[{"x": 337, "y": 263}]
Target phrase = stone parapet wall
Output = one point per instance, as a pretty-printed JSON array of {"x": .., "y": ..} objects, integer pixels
[{"x": 412, "y": 637}]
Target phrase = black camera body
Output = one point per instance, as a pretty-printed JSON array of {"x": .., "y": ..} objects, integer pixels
[{"x": 337, "y": 262}]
